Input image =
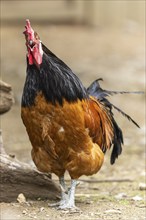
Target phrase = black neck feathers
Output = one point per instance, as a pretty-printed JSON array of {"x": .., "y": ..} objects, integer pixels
[{"x": 54, "y": 79}]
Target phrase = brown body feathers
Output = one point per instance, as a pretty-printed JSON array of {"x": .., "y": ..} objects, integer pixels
[{"x": 68, "y": 137}]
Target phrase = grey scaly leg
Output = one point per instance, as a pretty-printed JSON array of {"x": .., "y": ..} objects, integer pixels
[
  {"x": 70, "y": 203},
  {"x": 64, "y": 195}
]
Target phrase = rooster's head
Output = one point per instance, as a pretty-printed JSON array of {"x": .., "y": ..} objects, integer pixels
[{"x": 33, "y": 44}]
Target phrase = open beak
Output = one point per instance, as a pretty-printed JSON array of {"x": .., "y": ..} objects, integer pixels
[
  {"x": 33, "y": 44},
  {"x": 29, "y": 32}
]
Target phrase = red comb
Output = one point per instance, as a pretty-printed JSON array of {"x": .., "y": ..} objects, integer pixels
[{"x": 28, "y": 30}]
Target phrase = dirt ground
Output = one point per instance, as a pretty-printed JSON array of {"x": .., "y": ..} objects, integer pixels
[{"x": 118, "y": 57}]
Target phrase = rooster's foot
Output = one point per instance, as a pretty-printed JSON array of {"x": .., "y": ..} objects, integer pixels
[
  {"x": 62, "y": 202},
  {"x": 69, "y": 206}
]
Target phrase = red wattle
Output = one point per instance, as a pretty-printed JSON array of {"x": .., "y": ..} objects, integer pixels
[
  {"x": 37, "y": 55},
  {"x": 30, "y": 59}
]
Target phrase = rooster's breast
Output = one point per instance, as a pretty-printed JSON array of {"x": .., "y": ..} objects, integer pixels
[{"x": 57, "y": 133}]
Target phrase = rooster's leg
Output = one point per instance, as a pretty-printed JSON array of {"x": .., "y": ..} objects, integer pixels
[
  {"x": 70, "y": 203},
  {"x": 64, "y": 191},
  {"x": 64, "y": 195}
]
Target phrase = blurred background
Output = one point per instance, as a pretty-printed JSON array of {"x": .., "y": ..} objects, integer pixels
[{"x": 97, "y": 39}]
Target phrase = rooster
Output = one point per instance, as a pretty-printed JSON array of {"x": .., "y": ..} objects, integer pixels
[{"x": 70, "y": 127}]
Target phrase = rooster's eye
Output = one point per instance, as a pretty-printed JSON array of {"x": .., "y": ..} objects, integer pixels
[{"x": 30, "y": 42}]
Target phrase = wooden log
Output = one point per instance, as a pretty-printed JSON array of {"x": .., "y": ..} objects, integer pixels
[
  {"x": 2, "y": 150},
  {"x": 18, "y": 177},
  {"x": 6, "y": 97}
]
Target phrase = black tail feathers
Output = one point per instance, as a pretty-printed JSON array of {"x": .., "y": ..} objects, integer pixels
[
  {"x": 117, "y": 142},
  {"x": 95, "y": 90}
]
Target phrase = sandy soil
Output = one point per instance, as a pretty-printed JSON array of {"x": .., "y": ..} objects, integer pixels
[{"x": 118, "y": 57}]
